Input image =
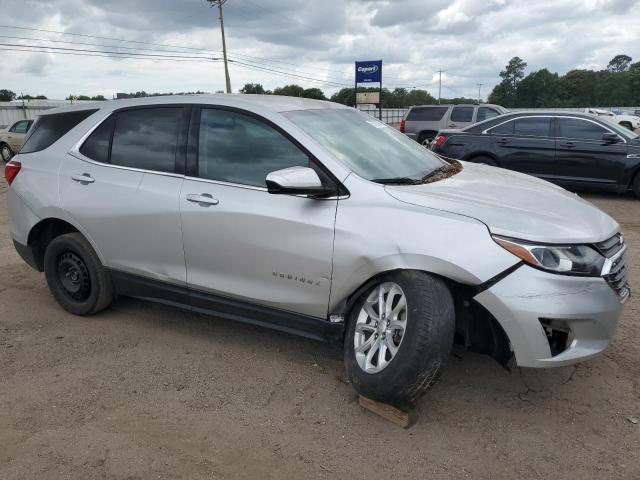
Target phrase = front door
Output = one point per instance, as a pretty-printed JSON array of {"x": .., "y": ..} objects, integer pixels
[
  {"x": 583, "y": 159},
  {"x": 242, "y": 243}
]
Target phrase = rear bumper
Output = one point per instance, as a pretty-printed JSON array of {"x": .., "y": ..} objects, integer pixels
[{"x": 586, "y": 306}]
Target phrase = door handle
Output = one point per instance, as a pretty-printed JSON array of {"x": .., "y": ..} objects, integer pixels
[
  {"x": 84, "y": 179},
  {"x": 203, "y": 199},
  {"x": 569, "y": 144},
  {"x": 502, "y": 141},
  {"x": 452, "y": 125}
]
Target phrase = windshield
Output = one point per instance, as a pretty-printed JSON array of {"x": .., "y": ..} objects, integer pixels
[
  {"x": 625, "y": 132},
  {"x": 368, "y": 147}
]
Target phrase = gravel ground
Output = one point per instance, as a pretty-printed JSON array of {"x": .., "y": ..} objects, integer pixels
[{"x": 147, "y": 391}]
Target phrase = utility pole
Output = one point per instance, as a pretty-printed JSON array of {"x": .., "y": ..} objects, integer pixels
[
  {"x": 219, "y": 3},
  {"x": 440, "y": 85},
  {"x": 479, "y": 87}
]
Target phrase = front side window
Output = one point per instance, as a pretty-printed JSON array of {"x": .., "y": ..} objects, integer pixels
[
  {"x": 237, "y": 148},
  {"x": 533, "y": 126},
  {"x": 580, "y": 129},
  {"x": 50, "y": 128},
  {"x": 147, "y": 138},
  {"x": 485, "y": 113},
  {"x": 371, "y": 149}
]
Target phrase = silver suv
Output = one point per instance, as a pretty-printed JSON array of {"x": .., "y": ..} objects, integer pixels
[
  {"x": 422, "y": 123},
  {"x": 314, "y": 219}
]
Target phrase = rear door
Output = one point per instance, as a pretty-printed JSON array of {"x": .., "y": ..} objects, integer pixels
[
  {"x": 525, "y": 145},
  {"x": 461, "y": 116},
  {"x": 122, "y": 186},
  {"x": 583, "y": 158},
  {"x": 240, "y": 241}
]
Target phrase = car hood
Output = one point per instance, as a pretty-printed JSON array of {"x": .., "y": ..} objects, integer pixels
[{"x": 512, "y": 204}]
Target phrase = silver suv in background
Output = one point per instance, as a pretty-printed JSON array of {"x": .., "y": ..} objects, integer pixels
[
  {"x": 315, "y": 219},
  {"x": 423, "y": 122}
]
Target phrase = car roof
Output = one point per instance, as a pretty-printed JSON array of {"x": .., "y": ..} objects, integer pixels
[
  {"x": 274, "y": 103},
  {"x": 456, "y": 105},
  {"x": 546, "y": 113}
]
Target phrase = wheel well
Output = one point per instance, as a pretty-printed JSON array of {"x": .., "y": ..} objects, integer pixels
[
  {"x": 476, "y": 329},
  {"x": 43, "y": 233},
  {"x": 625, "y": 123},
  {"x": 483, "y": 154}
]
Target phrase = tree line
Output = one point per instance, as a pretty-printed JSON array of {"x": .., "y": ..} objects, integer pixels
[{"x": 616, "y": 85}]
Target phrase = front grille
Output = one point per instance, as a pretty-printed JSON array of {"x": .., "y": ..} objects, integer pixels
[
  {"x": 611, "y": 246},
  {"x": 617, "y": 278}
]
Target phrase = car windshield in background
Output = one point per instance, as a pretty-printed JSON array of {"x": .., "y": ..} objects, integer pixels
[
  {"x": 624, "y": 132},
  {"x": 370, "y": 148}
]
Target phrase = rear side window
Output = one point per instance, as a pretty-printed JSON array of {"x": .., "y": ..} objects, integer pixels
[
  {"x": 426, "y": 114},
  {"x": 462, "y": 114},
  {"x": 503, "y": 129},
  {"x": 580, "y": 129},
  {"x": 96, "y": 146},
  {"x": 48, "y": 129},
  {"x": 20, "y": 127},
  {"x": 533, "y": 126},
  {"x": 237, "y": 148},
  {"x": 147, "y": 138},
  {"x": 485, "y": 113}
]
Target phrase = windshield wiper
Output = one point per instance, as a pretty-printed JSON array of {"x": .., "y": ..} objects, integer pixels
[{"x": 396, "y": 181}]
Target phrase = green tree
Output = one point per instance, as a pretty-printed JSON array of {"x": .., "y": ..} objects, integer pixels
[
  {"x": 289, "y": 91},
  {"x": 6, "y": 95},
  {"x": 343, "y": 96},
  {"x": 505, "y": 93},
  {"x": 539, "y": 89},
  {"x": 314, "y": 93},
  {"x": 619, "y": 63},
  {"x": 577, "y": 88},
  {"x": 99, "y": 98},
  {"x": 254, "y": 88}
]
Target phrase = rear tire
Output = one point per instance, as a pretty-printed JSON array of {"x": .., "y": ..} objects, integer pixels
[
  {"x": 5, "y": 152},
  {"x": 75, "y": 276},
  {"x": 485, "y": 161},
  {"x": 426, "y": 324}
]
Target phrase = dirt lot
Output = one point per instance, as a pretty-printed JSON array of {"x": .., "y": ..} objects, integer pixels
[{"x": 146, "y": 391}]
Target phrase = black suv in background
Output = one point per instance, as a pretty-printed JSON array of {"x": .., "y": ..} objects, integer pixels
[{"x": 577, "y": 151}]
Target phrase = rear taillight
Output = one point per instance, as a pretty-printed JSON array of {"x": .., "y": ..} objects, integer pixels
[
  {"x": 439, "y": 140},
  {"x": 11, "y": 169},
  {"x": 402, "y": 126}
]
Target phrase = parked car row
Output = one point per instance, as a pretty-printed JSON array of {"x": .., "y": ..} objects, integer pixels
[
  {"x": 573, "y": 150},
  {"x": 626, "y": 120}
]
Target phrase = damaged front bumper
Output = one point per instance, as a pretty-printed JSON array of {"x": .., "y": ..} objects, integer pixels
[{"x": 553, "y": 320}]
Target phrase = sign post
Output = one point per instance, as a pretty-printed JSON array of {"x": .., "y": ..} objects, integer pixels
[{"x": 369, "y": 72}]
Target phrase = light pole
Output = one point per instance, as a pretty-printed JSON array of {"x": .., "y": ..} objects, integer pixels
[{"x": 479, "y": 87}]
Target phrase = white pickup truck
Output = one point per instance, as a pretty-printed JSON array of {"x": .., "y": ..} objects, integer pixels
[{"x": 628, "y": 121}]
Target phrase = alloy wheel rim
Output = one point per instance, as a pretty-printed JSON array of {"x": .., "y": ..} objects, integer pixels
[
  {"x": 73, "y": 276},
  {"x": 380, "y": 327}
]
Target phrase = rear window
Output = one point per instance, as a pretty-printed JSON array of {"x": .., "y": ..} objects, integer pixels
[
  {"x": 533, "y": 126},
  {"x": 96, "y": 146},
  {"x": 503, "y": 129},
  {"x": 48, "y": 129},
  {"x": 426, "y": 114},
  {"x": 485, "y": 113}
]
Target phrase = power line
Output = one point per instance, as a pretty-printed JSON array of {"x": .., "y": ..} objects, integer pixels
[{"x": 123, "y": 57}]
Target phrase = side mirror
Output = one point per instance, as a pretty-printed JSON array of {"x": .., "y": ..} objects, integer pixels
[
  {"x": 296, "y": 181},
  {"x": 610, "y": 138}
]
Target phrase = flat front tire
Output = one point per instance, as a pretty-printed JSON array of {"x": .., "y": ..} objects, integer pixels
[
  {"x": 75, "y": 275},
  {"x": 399, "y": 336}
]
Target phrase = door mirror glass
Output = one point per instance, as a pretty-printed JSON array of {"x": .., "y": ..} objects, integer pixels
[
  {"x": 610, "y": 138},
  {"x": 296, "y": 181}
]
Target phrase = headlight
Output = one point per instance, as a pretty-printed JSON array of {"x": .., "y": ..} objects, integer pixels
[{"x": 567, "y": 259}]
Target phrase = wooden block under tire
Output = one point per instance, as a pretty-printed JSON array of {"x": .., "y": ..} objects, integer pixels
[{"x": 388, "y": 412}]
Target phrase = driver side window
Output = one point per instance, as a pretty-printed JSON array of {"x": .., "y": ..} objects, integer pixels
[{"x": 237, "y": 148}]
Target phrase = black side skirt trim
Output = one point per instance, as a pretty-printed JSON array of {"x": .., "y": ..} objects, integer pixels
[{"x": 315, "y": 328}]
